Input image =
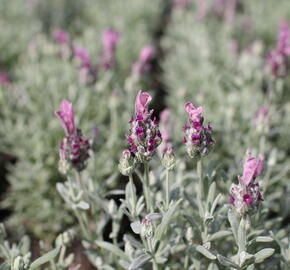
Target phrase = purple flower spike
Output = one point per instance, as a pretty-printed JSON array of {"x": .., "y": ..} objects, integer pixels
[
  {"x": 74, "y": 148},
  {"x": 144, "y": 136},
  {"x": 83, "y": 55},
  {"x": 110, "y": 40},
  {"x": 246, "y": 196},
  {"x": 61, "y": 36},
  {"x": 143, "y": 66},
  {"x": 66, "y": 117},
  {"x": 197, "y": 139},
  {"x": 278, "y": 57}
]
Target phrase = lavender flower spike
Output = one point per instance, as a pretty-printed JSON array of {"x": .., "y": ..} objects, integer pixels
[
  {"x": 66, "y": 117},
  {"x": 197, "y": 139},
  {"x": 74, "y": 148},
  {"x": 110, "y": 40},
  {"x": 246, "y": 196},
  {"x": 142, "y": 66},
  {"x": 61, "y": 36},
  {"x": 144, "y": 135},
  {"x": 278, "y": 57}
]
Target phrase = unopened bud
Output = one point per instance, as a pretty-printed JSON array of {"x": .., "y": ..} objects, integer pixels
[
  {"x": 168, "y": 159},
  {"x": 65, "y": 238},
  {"x": 127, "y": 163},
  {"x": 146, "y": 228}
]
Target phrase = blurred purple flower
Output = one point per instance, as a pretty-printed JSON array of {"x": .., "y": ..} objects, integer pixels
[
  {"x": 110, "y": 40},
  {"x": 61, "y": 36},
  {"x": 4, "y": 78},
  {"x": 142, "y": 66},
  {"x": 278, "y": 57},
  {"x": 84, "y": 56}
]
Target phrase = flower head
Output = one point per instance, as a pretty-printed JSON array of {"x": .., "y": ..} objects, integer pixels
[
  {"x": 246, "y": 196},
  {"x": 278, "y": 57},
  {"x": 84, "y": 57},
  {"x": 197, "y": 139},
  {"x": 74, "y": 148},
  {"x": 144, "y": 136},
  {"x": 61, "y": 36},
  {"x": 110, "y": 40},
  {"x": 127, "y": 163},
  {"x": 142, "y": 66}
]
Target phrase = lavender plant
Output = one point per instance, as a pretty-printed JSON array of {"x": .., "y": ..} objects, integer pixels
[{"x": 174, "y": 201}]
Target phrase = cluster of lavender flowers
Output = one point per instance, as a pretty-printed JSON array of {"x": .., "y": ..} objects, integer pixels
[
  {"x": 197, "y": 137},
  {"x": 88, "y": 70},
  {"x": 278, "y": 57},
  {"x": 74, "y": 148},
  {"x": 144, "y": 136},
  {"x": 246, "y": 196}
]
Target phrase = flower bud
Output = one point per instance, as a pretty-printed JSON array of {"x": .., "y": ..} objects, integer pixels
[
  {"x": 197, "y": 137},
  {"x": 66, "y": 238},
  {"x": 146, "y": 228},
  {"x": 127, "y": 163},
  {"x": 144, "y": 135},
  {"x": 168, "y": 159}
]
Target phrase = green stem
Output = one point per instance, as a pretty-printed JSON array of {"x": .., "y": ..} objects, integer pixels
[
  {"x": 150, "y": 247},
  {"x": 78, "y": 178},
  {"x": 146, "y": 188},
  {"x": 134, "y": 214},
  {"x": 61, "y": 255},
  {"x": 262, "y": 144},
  {"x": 167, "y": 200},
  {"x": 82, "y": 224},
  {"x": 200, "y": 178}
]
